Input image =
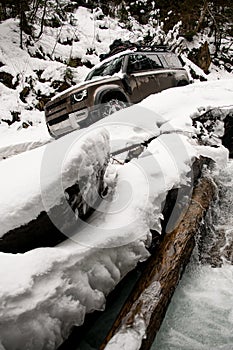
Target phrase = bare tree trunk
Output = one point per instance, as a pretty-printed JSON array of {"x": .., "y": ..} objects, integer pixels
[
  {"x": 202, "y": 16},
  {"x": 21, "y": 24},
  {"x": 42, "y": 20},
  {"x": 35, "y": 7}
]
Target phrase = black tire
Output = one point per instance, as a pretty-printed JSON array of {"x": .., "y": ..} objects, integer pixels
[{"x": 183, "y": 83}]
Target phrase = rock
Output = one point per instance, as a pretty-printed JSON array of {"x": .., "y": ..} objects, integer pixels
[
  {"x": 75, "y": 62},
  {"x": 227, "y": 139},
  {"x": 15, "y": 118},
  {"x": 24, "y": 93},
  {"x": 60, "y": 86},
  {"x": 42, "y": 102},
  {"x": 6, "y": 79},
  {"x": 201, "y": 57}
]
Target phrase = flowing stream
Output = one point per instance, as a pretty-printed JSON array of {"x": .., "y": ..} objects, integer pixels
[{"x": 200, "y": 316}]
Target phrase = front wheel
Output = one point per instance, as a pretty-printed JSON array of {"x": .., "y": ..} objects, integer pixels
[{"x": 111, "y": 107}]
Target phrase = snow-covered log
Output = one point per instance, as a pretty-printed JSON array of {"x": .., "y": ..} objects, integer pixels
[{"x": 143, "y": 312}]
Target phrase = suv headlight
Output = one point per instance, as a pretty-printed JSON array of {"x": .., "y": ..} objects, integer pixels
[{"x": 78, "y": 96}]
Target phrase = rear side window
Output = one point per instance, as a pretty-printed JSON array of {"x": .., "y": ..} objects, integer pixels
[
  {"x": 172, "y": 60},
  {"x": 143, "y": 62},
  {"x": 108, "y": 68}
]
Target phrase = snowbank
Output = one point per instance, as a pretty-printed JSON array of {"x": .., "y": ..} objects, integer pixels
[
  {"x": 188, "y": 100},
  {"x": 162, "y": 108},
  {"x": 31, "y": 181},
  {"x": 47, "y": 291},
  {"x": 43, "y": 64},
  {"x": 83, "y": 37}
]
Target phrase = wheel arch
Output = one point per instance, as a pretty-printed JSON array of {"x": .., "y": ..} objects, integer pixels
[
  {"x": 183, "y": 82},
  {"x": 106, "y": 95}
]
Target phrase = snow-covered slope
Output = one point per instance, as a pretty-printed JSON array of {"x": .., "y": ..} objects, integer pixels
[
  {"x": 44, "y": 64},
  {"x": 61, "y": 57}
]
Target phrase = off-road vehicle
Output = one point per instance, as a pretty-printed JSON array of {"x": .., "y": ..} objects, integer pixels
[{"x": 122, "y": 79}]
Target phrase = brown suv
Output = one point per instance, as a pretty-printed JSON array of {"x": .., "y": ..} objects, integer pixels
[{"x": 125, "y": 78}]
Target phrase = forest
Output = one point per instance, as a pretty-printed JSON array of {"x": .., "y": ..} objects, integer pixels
[{"x": 214, "y": 18}]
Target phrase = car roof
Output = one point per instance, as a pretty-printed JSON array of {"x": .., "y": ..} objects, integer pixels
[{"x": 132, "y": 50}]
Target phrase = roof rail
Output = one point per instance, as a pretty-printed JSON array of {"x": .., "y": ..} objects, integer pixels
[
  {"x": 118, "y": 46},
  {"x": 117, "y": 49},
  {"x": 153, "y": 48}
]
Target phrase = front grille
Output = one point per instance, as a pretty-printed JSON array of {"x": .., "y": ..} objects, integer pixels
[
  {"x": 58, "y": 119},
  {"x": 50, "y": 107}
]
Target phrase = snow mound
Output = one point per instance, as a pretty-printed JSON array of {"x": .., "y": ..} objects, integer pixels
[
  {"x": 56, "y": 288},
  {"x": 46, "y": 291},
  {"x": 34, "y": 177},
  {"x": 185, "y": 101}
]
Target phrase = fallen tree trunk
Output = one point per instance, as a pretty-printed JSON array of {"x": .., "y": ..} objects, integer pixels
[{"x": 145, "y": 308}]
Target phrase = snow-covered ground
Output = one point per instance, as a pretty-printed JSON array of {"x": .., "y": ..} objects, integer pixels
[
  {"x": 46, "y": 291},
  {"x": 44, "y": 64}
]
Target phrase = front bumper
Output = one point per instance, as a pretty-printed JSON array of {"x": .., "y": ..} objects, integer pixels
[{"x": 73, "y": 121}]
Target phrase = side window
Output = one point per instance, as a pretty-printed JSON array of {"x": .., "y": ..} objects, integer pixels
[
  {"x": 172, "y": 60},
  {"x": 143, "y": 62},
  {"x": 164, "y": 62},
  {"x": 155, "y": 61},
  {"x": 138, "y": 63}
]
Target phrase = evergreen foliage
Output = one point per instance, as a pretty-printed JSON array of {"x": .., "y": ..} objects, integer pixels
[{"x": 212, "y": 18}]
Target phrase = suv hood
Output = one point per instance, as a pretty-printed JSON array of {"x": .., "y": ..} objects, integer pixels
[{"x": 86, "y": 84}]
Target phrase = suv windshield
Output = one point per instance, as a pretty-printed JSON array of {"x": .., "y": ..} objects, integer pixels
[{"x": 108, "y": 68}]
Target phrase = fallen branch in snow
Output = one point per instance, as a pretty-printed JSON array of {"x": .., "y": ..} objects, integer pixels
[{"x": 142, "y": 315}]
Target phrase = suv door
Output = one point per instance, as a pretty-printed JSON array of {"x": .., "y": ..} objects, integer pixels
[{"x": 149, "y": 73}]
